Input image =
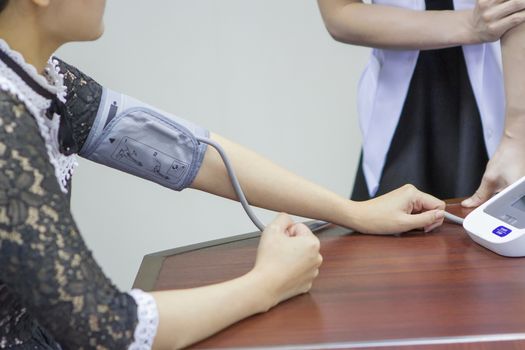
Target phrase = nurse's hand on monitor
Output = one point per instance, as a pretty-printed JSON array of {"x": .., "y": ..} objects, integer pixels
[
  {"x": 401, "y": 210},
  {"x": 504, "y": 168}
]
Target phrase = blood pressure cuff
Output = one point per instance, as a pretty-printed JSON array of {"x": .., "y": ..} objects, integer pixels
[{"x": 141, "y": 140}]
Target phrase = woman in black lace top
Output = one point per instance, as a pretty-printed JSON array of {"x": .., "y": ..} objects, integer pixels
[{"x": 53, "y": 295}]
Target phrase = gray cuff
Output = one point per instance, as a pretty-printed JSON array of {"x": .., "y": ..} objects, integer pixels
[{"x": 136, "y": 138}]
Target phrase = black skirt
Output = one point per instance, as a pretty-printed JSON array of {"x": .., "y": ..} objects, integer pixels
[{"x": 438, "y": 144}]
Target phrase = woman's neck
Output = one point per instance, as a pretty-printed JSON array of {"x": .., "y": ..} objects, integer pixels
[{"x": 23, "y": 36}]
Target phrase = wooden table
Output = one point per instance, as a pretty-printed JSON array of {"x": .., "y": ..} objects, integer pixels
[{"x": 414, "y": 291}]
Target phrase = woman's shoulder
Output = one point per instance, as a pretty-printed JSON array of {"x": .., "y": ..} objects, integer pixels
[
  {"x": 12, "y": 106},
  {"x": 22, "y": 146},
  {"x": 75, "y": 79},
  {"x": 16, "y": 120}
]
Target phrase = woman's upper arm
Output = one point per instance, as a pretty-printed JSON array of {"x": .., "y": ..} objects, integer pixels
[
  {"x": 43, "y": 258},
  {"x": 84, "y": 95}
]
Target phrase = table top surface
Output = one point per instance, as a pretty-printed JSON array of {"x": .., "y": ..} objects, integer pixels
[{"x": 414, "y": 290}]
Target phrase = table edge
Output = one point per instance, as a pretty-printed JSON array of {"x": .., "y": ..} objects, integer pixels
[{"x": 384, "y": 343}]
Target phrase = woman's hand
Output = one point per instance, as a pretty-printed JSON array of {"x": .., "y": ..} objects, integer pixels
[
  {"x": 288, "y": 259},
  {"x": 401, "y": 210},
  {"x": 490, "y": 19}
]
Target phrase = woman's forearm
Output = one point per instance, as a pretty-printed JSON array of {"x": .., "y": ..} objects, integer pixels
[
  {"x": 395, "y": 28},
  {"x": 188, "y": 316},
  {"x": 286, "y": 263},
  {"x": 269, "y": 186}
]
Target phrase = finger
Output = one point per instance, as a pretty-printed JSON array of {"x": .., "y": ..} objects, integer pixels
[
  {"x": 424, "y": 219},
  {"x": 300, "y": 229},
  {"x": 308, "y": 287},
  {"x": 319, "y": 260},
  {"x": 505, "y": 24},
  {"x": 484, "y": 192},
  {"x": 280, "y": 224},
  {"x": 430, "y": 228},
  {"x": 485, "y": 5},
  {"x": 504, "y": 9},
  {"x": 429, "y": 202}
]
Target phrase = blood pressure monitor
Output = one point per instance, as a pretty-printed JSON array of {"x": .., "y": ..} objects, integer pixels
[{"x": 499, "y": 224}]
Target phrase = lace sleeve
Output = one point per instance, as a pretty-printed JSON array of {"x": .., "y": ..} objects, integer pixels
[
  {"x": 43, "y": 258},
  {"x": 83, "y": 99}
]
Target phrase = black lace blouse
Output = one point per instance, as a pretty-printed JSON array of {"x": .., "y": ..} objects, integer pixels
[{"x": 52, "y": 291}]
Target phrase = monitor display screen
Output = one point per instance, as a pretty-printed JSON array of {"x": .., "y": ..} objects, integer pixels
[{"x": 519, "y": 204}]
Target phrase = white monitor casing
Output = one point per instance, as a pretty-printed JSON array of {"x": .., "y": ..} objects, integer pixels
[{"x": 497, "y": 224}]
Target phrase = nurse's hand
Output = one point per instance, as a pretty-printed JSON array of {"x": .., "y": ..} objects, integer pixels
[
  {"x": 401, "y": 210},
  {"x": 504, "y": 168},
  {"x": 491, "y": 19}
]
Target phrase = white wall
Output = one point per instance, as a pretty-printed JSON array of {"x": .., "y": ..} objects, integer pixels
[{"x": 264, "y": 73}]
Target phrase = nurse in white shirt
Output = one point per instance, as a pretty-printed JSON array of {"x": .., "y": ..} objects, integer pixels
[{"x": 431, "y": 101}]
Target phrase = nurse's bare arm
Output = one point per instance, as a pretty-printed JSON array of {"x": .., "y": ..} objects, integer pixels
[
  {"x": 508, "y": 163},
  {"x": 353, "y": 22},
  {"x": 513, "y": 50}
]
